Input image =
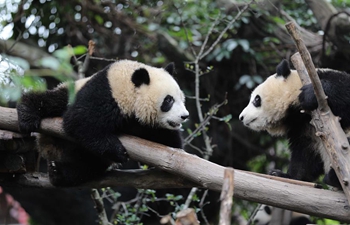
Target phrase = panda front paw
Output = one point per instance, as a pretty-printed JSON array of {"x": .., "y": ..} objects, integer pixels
[
  {"x": 54, "y": 173},
  {"x": 52, "y": 167},
  {"x": 307, "y": 98},
  {"x": 279, "y": 173},
  {"x": 118, "y": 154},
  {"x": 27, "y": 120},
  {"x": 331, "y": 179},
  {"x": 122, "y": 154}
]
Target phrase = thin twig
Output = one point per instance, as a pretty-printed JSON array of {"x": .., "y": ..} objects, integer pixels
[
  {"x": 201, "y": 206},
  {"x": 256, "y": 210},
  {"x": 210, "y": 31},
  {"x": 226, "y": 28},
  {"x": 212, "y": 111},
  {"x": 99, "y": 207},
  {"x": 186, "y": 33},
  {"x": 103, "y": 59},
  {"x": 15, "y": 42},
  {"x": 189, "y": 197},
  {"x": 201, "y": 55},
  {"x": 195, "y": 148}
]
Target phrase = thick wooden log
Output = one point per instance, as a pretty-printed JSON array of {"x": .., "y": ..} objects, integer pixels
[{"x": 305, "y": 199}]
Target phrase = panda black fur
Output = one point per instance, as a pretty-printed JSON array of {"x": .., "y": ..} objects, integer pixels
[
  {"x": 126, "y": 97},
  {"x": 275, "y": 106}
]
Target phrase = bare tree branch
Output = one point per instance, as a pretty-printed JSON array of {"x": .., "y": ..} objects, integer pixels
[
  {"x": 327, "y": 125},
  {"x": 226, "y": 197},
  {"x": 99, "y": 207}
]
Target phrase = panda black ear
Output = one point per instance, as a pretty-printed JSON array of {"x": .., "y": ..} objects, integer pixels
[
  {"x": 283, "y": 68},
  {"x": 170, "y": 68},
  {"x": 139, "y": 77}
]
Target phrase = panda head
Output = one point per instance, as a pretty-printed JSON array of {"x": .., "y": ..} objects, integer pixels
[
  {"x": 263, "y": 215},
  {"x": 270, "y": 101},
  {"x": 150, "y": 94}
]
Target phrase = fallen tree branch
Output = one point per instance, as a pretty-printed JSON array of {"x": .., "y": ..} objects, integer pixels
[
  {"x": 327, "y": 125},
  {"x": 305, "y": 199},
  {"x": 141, "y": 179}
]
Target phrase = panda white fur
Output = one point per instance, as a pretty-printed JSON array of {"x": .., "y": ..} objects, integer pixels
[
  {"x": 265, "y": 214},
  {"x": 275, "y": 106},
  {"x": 126, "y": 97}
]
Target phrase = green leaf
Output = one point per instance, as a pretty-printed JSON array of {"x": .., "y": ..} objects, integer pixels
[
  {"x": 99, "y": 19},
  {"x": 232, "y": 44},
  {"x": 245, "y": 44},
  {"x": 278, "y": 20},
  {"x": 79, "y": 50},
  {"x": 50, "y": 62},
  {"x": 24, "y": 64},
  {"x": 63, "y": 54},
  {"x": 226, "y": 118}
]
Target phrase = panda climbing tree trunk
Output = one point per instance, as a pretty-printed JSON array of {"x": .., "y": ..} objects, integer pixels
[{"x": 327, "y": 125}]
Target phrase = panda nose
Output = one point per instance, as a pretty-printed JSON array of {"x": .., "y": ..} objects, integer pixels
[{"x": 184, "y": 117}]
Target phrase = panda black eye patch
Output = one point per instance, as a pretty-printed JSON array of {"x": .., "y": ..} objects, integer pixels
[
  {"x": 167, "y": 103},
  {"x": 257, "y": 101}
]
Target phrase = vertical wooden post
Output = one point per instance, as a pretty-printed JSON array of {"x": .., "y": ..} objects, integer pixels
[
  {"x": 226, "y": 197},
  {"x": 327, "y": 125}
]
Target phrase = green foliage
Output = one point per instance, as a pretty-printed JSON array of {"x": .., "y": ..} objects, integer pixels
[
  {"x": 299, "y": 10},
  {"x": 250, "y": 81},
  {"x": 59, "y": 63},
  {"x": 131, "y": 212},
  {"x": 17, "y": 77},
  {"x": 261, "y": 164},
  {"x": 341, "y": 3},
  {"x": 13, "y": 83},
  {"x": 323, "y": 221}
]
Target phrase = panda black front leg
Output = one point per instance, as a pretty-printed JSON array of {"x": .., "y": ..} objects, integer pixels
[
  {"x": 331, "y": 179},
  {"x": 36, "y": 106},
  {"x": 307, "y": 98},
  {"x": 108, "y": 147},
  {"x": 28, "y": 119},
  {"x": 97, "y": 139}
]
